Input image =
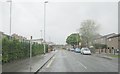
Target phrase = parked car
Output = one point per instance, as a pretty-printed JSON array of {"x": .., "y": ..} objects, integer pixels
[
  {"x": 71, "y": 49},
  {"x": 68, "y": 49},
  {"x": 54, "y": 49},
  {"x": 77, "y": 50},
  {"x": 85, "y": 51}
]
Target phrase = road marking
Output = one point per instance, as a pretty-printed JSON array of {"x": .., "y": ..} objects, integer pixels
[
  {"x": 83, "y": 65},
  {"x": 50, "y": 62}
]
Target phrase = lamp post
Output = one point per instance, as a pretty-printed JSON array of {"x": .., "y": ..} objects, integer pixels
[
  {"x": 10, "y": 17},
  {"x": 41, "y": 33},
  {"x": 77, "y": 38},
  {"x": 44, "y": 24},
  {"x": 30, "y": 53}
]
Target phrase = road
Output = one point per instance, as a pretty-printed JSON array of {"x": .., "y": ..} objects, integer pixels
[{"x": 67, "y": 61}]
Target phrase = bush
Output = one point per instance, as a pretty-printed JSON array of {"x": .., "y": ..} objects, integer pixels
[
  {"x": 13, "y": 49},
  {"x": 100, "y": 46}
]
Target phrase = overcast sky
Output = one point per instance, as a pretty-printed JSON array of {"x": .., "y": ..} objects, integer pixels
[{"x": 62, "y": 17}]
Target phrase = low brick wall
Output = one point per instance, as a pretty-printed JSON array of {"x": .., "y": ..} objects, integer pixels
[{"x": 105, "y": 50}]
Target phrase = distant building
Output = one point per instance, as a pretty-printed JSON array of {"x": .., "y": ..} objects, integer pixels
[
  {"x": 50, "y": 43},
  {"x": 68, "y": 46},
  {"x": 20, "y": 38},
  {"x": 39, "y": 41}
]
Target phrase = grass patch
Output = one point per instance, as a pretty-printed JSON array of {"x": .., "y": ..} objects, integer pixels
[{"x": 115, "y": 56}]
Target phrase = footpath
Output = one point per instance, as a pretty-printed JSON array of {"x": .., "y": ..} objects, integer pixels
[
  {"x": 26, "y": 65},
  {"x": 107, "y": 56}
]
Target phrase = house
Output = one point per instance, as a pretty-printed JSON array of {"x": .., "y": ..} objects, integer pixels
[
  {"x": 103, "y": 40},
  {"x": 113, "y": 43}
]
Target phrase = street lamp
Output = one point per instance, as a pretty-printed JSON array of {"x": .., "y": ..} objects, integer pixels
[
  {"x": 31, "y": 42},
  {"x": 77, "y": 39},
  {"x": 44, "y": 24},
  {"x": 41, "y": 33},
  {"x": 10, "y": 1},
  {"x": 30, "y": 53}
]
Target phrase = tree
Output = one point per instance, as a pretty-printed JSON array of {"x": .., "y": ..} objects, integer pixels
[
  {"x": 88, "y": 31},
  {"x": 73, "y": 39}
]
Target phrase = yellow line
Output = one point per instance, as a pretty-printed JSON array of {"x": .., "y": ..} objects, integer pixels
[{"x": 50, "y": 62}]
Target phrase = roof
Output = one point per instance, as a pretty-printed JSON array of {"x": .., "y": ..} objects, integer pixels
[
  {"x": 109, "y": 35},
  {"x": 117, "y": 35},
  {"x": 106, "y": 36}
]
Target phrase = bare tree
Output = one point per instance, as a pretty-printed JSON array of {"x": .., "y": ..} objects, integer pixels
[{"x": 88, "y": 32}]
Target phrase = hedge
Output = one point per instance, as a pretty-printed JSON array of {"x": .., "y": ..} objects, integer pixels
[
  {"x": 100, "y": 46},
  {"x": 13, "y": 49}
]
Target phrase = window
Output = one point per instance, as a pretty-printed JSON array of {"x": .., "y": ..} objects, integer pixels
[{"x": 112, "y": 47}]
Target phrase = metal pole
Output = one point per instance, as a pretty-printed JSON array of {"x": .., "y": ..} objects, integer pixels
[
  {"x": 10, "y": 15},
  {"x": 30, "y": 53},
  {"x": 44, "y": 25},
  {"x": 41, "y": 33},
  {"x": 78, "y": 40}
]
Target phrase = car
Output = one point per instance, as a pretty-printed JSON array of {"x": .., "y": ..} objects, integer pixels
[
  {"x": 77, "y": 50},
  {"x": 68, "y": 49},
  {"x": 54, "y": 49},
  {"x": 85, "y": 51},
  {"x": 71, "y": 49}
]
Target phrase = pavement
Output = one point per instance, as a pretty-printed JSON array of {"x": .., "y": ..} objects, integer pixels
[
  {"x": 106, "y": 56},
  {"x": 67, "y": 61},
  {"x": 26, "y": 66}
]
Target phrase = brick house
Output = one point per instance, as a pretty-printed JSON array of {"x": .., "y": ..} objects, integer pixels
[
  {"x": 113, "y": 43},
  {"x": 103, "y": 40}
]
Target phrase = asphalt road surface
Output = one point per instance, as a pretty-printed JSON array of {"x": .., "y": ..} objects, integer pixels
[{"x": 67, "y": 61}]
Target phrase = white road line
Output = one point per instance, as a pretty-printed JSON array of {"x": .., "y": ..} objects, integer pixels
[
  {"x": 50, "y": 62},
  {"x": 83, "y": 65}
]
